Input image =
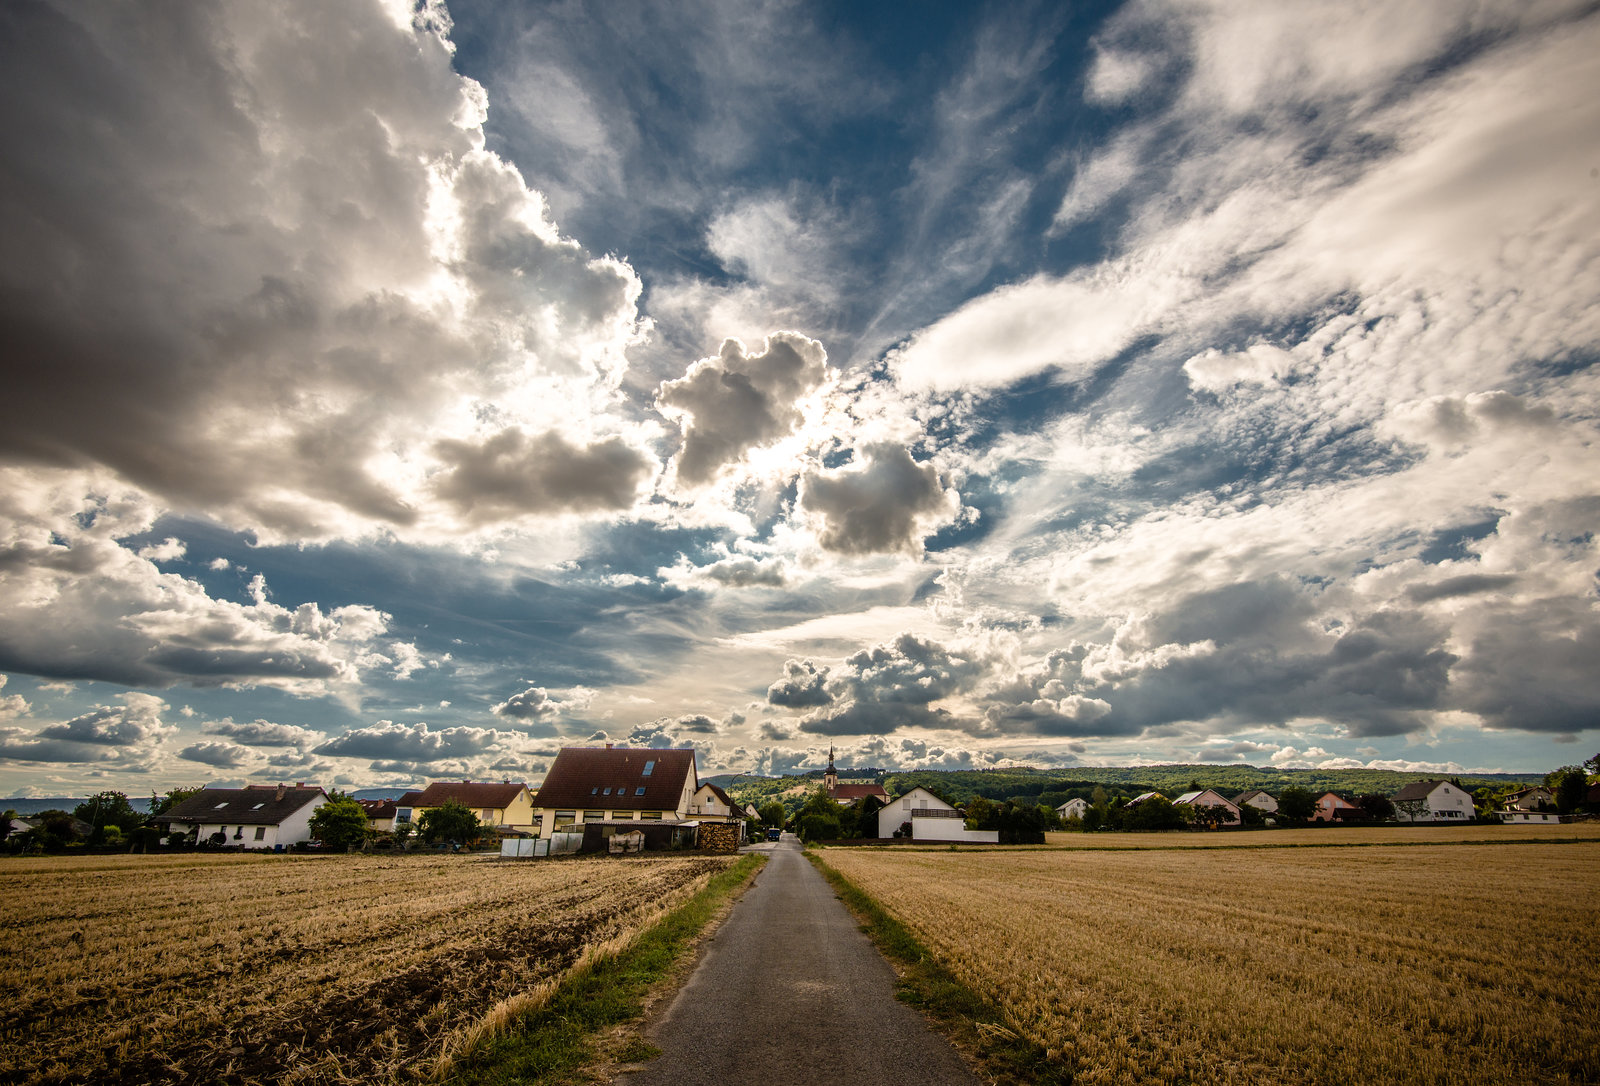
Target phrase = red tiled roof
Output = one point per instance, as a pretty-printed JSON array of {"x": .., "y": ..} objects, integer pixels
[
  {"x": 379, "y": 808},
  {"x": 858, "y": 791},
  {"x": 580, "y": 776},
  {"x": 723, "y": 797},
  {"x": 479, "y": 794},
  {"x": 257, "y": 806}
]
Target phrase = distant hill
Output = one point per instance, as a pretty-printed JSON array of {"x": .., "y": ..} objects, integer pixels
[
  {"x": 1059, "y": 785},
  {"x": 28, "y": 805},
  {"x": 378, "y": 793}
]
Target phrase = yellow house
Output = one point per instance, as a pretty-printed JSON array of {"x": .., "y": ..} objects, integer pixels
[{"x": 503, "y": 805}]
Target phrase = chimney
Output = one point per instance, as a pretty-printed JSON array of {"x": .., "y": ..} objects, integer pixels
[
  {"x": 281, "y": 791},
  {"x": 299, "y": 784},
  {"x": 608, "y": 746}
]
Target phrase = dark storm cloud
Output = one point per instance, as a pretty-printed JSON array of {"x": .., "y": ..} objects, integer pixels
[
  {"x": 1466, "y": 585},
  {"x": 887, "y": 687},
  {"x": 887, "y": 503},
  {"x": 803, "y": 686},
  {"x": 415, "y": 743},
  {"x": 512, "y": 474},
  {"x": 264, "y": 733},
  {"x": 221, "y": 755},
  {"x": 736, "y": 401}
]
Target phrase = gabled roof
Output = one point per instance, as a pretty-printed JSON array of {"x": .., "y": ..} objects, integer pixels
[
  {"x": 1246, "y": 797},
  {"x": 927, "y": 793},
  {"x": 580, "y": 776},
  {"x": 1416, "y": 790},
  {"x": 1142, "y": 796},
  {"x": 487, "y": 795},
  {"x": 409, "y": 799},
  {"x": 722, "y": 797},
  {"x": 258, "y": 805},
  {"x": 1217, "y": 799},
  {"x": 1338, "y": 800},
  {"x": 379, "y": 808}
]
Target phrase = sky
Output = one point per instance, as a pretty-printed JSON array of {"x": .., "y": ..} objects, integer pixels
[{"x": 398, "y": 392}]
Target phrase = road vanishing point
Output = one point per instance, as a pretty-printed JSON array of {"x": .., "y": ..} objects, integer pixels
[{"x": 790, "y": 991}]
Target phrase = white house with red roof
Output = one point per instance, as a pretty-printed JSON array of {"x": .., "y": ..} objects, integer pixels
[{"x": 616, "y": 786}]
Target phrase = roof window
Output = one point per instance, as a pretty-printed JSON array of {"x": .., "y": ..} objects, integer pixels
[
  {"x": 595, "y": 790},
  {"x": 639, "y": 791},
  {"x": 258, "y": 806},
  {"x": 220, "y": 806},
  {"x": 608, "y": 792},
  {"x": 648, "y": 768}
]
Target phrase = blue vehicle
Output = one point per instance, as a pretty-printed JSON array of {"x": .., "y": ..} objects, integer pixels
[{"x": 773, "y": 835}]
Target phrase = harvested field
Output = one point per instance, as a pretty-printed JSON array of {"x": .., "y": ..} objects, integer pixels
[
  {"x": 1386, "y": 834},
  {"x": 291, "y": 969},
  {"x": 1419, "y": 964}
]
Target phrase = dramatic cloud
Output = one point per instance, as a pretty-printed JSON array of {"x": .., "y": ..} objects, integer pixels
[
  {"x": 414, "y": 743},
  {"x": 888, "y": 687},
  {"x": 286, "y": 274},
  {"x": 887, "y": 503},
  {"x": 76, "y": 603},
  {"x": 221, "y": 755},
  {"x": 511, "y": 475},
  {"x": 803, "y": 685},
  {"x": 264, "y": 733},
  {"x": 739, "y": 401},
  {"x": 127, "y": 735}
]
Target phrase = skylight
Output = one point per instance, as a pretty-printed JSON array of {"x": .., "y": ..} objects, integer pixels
[
  {"x": 648, "y": 766},
  {"x": 220, "y": 806}
]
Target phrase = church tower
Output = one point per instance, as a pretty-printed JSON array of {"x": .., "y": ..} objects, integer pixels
[{"x": 830, "y": 776}]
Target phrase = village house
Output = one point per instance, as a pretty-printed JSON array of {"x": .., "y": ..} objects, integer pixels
[
  {"x": 1433, "y": 801},
  {"x": 899, "y": 815},
  {"x": 721, "y": 819},
  {"x": 505, "y": 806},
  {"x": 846, "y": 794},
  {"x": 1335, "y": 808},
  {"x": 1537, "y": 798},
  {"x": 1073, "y": 808},
  {"x": 617, "y": 788},
  {"x": 257, "y": 816},
  {"x": 380, "y": 814},
  {"x": 1208, "y": 798},
  {"x": 1258, "y": 799}
]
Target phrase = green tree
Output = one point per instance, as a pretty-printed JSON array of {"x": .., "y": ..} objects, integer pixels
[
  {"x": 1377, "y": 806},
  {"x": 774, "y": 815},
  {"x": 1155, "y": 813},
  {"x": 1570, "y": 785},
  {"x": 1593, "y": 766},
  {"x": 819, "y": 819},
  {"x": 452, "y": 822},
  {"x": 163, "y": 804},
  {"x": 107, "y": 810},
  {"x": 339, "y": 823},
  {"x": 1296, "y": 804}
]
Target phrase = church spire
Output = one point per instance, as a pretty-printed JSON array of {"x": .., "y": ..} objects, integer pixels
[{"x": 830, "y": 776}]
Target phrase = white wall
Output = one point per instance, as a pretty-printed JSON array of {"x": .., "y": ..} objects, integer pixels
[
  {"x": 1446, "y": 803},
  {"x": 898, "y": 812},
  {"x": 290, "y": 832},
  {"x": 951, "y": 829}
]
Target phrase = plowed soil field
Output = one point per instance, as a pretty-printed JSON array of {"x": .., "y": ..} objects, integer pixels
[{"x": 291, "y": 969}]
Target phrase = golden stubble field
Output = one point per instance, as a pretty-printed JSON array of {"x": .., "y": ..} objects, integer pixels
[
  {"x": 292, "y": 969},
  {"x": 1433, "y": 963}
]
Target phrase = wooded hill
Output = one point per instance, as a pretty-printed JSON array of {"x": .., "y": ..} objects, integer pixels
[{"x": 961, "y": 785}]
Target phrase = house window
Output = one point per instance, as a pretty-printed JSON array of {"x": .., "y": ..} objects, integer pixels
[
  {"x": 589, "y": 816},
  {"x": 650, "y": 816},
  {"x": 649, "y": 767},
  {"x": 403, "y": 816},
  {"x": 566, "y": 816},
  {"x": 608, "y": 792},
  {"x": 261, "y": 833},
  {"x": 639, "y": 791},
  {"x": 596, "y": 790}
]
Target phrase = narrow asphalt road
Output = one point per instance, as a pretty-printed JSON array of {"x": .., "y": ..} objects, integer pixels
[{"x": 791, "y": 991}]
